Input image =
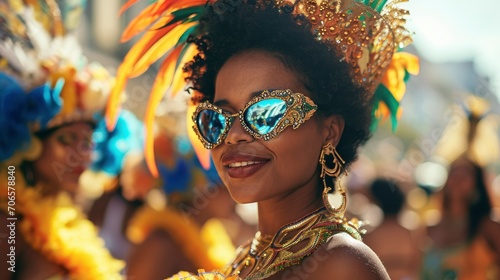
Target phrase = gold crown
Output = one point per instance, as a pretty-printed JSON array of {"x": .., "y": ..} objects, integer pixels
[{"x": 366, "y": 32}]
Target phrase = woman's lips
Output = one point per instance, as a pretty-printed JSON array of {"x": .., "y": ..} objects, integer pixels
[{"x": 242, "y": 166}]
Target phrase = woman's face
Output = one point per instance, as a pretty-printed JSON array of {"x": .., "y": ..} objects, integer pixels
[
  {"x": 65, "y": 155},
  {"x": 274, "y": 168}
]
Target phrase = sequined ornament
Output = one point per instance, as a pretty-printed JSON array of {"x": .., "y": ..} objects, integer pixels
[{"x": 366, "y": 32}]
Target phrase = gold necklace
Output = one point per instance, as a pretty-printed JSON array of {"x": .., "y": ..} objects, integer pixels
[{"x": 265, "y": 255}]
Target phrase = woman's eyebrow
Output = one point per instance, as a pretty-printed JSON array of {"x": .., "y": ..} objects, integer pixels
[{"x": 222, "y": 102}]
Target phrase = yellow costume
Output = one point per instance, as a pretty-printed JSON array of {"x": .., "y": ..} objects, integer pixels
[
  {"x": 209, "y": 246},
  {"x": 59, "y": 230}
]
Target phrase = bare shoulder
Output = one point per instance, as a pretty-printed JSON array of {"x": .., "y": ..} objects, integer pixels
[{"x": 344, "y": 257}]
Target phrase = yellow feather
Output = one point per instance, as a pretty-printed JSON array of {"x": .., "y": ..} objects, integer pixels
[
  {"x": 162, "y": 83},
  {"x": 393, "y": 79},
  {"x": 139, "y": 23},
  {"x": 115, "y": 97},
  {"x": 127, "y": 5},
  {"x": 160, "y": 48},
  {"x": 123, "y": 74},
  {"x": 178, "y": 83}
]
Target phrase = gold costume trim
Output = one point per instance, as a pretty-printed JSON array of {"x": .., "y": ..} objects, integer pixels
[{"x": 267, "y": 255}]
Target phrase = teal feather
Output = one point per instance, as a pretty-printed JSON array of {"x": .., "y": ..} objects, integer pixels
[
  {"x": 186, "y": 12},
  {"x": 185, "y": 36},
  {"x": 181, "y": 55},
  {"x": 185, "y": 15},
  {"x": 377, "y": 5}
]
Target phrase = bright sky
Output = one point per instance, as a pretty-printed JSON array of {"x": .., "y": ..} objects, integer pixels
[{"x": 459, "y": 30}]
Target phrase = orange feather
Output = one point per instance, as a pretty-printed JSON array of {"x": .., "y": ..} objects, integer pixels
[
  {"x": 123, "y": 74},
  {"x": 114, "y": 99},
  {"x": 161, "y": 85},
  {"x": 145, "y": 43},
  {"x": 129, "y": 63},
  {"x": 171, "y": 5},
  {"x": 161, "y": 39},
  {"x": 162, "y": 7},
  {"x": 158, "y": 30},
  {"x": 179, "y": 82},
  {"x": 139, "y": 24},
  {"x": 127, "y": 5},
  {"x": 159, "y": 48},
  {"x": 152, "y": 13},
  {"x": 147, "y": 17}
]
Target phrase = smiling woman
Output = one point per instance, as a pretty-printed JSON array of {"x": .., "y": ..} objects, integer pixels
[{"x": 286, "y": 91}]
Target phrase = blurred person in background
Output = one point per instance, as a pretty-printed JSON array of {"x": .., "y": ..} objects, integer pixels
[
  {"x": 118, "y": 180},
  {"x": 194, "y": 227},
  {"x": 50, "y": 102},
  {"x": 396, "y": 246},
  {"x": 465, "y": 243}
]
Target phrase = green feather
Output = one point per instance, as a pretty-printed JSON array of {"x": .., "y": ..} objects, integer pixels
[
  {"x": 407, "y": 76},
  {"x": 186, "y": 15},
  {"x": 182, "y": 53},
  {"x": 377, "y": 5},
  {"x": 183, "y": 38},
  {"x": 382, "y": 94},
  {"x": 187, "y": 12}
]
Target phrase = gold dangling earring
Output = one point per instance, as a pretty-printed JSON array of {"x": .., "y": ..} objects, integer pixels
[{"x": 333, "y": 174}]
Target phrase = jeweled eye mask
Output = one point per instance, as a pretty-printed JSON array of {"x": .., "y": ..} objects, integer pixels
[{"x": 263, "y": 117}]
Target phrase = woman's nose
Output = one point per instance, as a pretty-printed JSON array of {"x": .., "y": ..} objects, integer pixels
[{"x": 237, "y": 134}]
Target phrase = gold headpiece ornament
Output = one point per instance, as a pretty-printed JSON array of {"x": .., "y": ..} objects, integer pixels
[{"x": 366, "y": 32}]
